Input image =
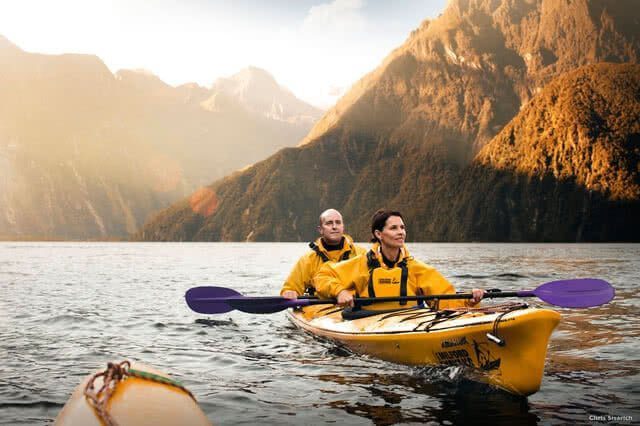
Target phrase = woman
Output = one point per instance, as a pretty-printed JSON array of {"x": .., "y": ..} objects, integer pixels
[{"x": 387, "y": 270}]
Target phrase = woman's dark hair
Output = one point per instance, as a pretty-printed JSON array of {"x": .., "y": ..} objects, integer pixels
[{"x": 379, "y": 219}]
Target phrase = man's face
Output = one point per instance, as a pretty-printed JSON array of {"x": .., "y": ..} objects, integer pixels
[{"x": 332, "y": 228}]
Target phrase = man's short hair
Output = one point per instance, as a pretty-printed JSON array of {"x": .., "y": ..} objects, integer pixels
[{"x": 320, "y": 221}]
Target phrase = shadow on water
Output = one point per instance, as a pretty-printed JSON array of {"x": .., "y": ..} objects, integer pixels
[
  {"x": 214, "y": 323},
  {"x": 507, "y": 276},
  {"x": 439, "y": 395}
]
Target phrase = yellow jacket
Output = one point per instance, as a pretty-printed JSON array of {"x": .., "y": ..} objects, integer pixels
[
  {"x": 353, "y": 274},
  {"x": 302, "y": 274}
]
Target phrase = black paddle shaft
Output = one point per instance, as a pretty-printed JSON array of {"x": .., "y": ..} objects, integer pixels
[{"x": 488, "y": 294}]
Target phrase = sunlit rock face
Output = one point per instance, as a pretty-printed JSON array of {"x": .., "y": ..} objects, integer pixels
[
  {"x": 566, "y": 168},
  {"x": 406, "y": 134},
  {"x": 88, "y": 154}
]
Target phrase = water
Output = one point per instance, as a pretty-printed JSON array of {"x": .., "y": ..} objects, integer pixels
[{"x": 68, "y": 308}]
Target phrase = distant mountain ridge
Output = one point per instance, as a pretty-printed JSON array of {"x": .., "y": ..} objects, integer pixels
[
  {"x": 88, "y": 154},
  {"x": 258, "y": 91},
  {"x": 405, "y": 134}
]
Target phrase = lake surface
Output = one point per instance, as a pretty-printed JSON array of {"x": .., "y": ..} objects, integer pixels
[{"x": 68, "y": 308}]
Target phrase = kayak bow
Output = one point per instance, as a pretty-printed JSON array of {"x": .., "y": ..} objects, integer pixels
[{"x": 509, "y": 347}]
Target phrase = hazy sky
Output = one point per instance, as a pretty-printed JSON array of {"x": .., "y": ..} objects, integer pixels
[{"x": 316, "y": 49}]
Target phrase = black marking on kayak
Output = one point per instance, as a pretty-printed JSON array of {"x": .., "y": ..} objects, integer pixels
[
  {"x": 454, "y": 342},
  {"x": 455, "y": 357},
  {"x": 485, "y": 362},
  {"x": 483, "y": 355}
]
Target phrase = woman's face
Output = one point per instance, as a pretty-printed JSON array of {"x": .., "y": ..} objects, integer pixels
[{"x": 393, "y": 233}]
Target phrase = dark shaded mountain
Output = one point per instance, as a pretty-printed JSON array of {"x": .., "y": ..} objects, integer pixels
[
  {"x": 87, "y": 154},
  {"x": 406, "y": 133},
  {"x": 565, "y": 169}
]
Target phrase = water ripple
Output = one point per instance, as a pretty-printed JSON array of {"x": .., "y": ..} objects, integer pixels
[{"x": 68, "y": 308}]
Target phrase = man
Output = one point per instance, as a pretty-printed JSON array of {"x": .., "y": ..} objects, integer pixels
[
  {"x": 387, "y": 270},
  {"x": 333, "y": 245}
]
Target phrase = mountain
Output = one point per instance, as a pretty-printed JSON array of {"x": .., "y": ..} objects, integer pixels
[
  {"x": 88, "y": 154},
  {"x": 405, "y": 133},
  {"x": 464, "y": 75},
  {"x": 257, "y": 91},
  {"x": 566, "y": 168}
]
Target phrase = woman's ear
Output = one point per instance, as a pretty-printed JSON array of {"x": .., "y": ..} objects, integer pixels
[{"x": 377, "y": 233}]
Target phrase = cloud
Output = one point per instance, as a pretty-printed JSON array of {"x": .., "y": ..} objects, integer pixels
[{"x": 336, "y": 18}]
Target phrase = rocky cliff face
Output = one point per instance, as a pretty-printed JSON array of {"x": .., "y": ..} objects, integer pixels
[
  {"x": 467, "y": 73},
  {"x": 406, "y": 132},
  {"x": 85, "y": 153},
  {"x": 565, "y": 169}
]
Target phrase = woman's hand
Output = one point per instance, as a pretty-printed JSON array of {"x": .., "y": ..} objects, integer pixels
[
  {"x": 345, "y": 298},
  {"x": 290, "y": 294},
  {"x": 478, "y": 294}
]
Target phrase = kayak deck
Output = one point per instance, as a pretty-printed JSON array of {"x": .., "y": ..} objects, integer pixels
[{"x": 513, "y": 360}]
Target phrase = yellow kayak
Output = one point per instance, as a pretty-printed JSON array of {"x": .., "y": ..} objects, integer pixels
[
  {"x": 507, "y": 343},
  {"x": 134, "y": 394}
]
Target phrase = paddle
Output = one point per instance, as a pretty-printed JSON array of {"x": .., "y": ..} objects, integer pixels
[
  {"x": 210, "y": 300},
  {"x": 216, "y": 300},
  {"x": 576, "y": 293}
]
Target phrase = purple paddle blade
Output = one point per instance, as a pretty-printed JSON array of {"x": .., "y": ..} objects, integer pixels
[
  {"x": 265, "y": 305},
  {"x": 210, "y": 300},
  {"x": 578, "y": 293}
]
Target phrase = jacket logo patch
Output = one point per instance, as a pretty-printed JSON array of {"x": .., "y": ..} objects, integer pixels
[{"x": 388, "y": 281}]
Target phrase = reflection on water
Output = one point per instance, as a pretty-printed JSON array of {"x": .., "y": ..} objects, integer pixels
[
  {"x": 442, "y": 399},
  {"x": 68, "y": 308}
]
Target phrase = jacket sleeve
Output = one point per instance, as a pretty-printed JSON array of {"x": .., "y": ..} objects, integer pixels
[
  {"x": 297, "y": 277},
  {"x": 430, "y": 281},
  {"x": 332, "y": 278}
]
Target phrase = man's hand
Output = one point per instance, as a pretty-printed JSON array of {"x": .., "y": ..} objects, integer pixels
[
  {"x": 345, "y": 298},
  {"x": 478, "y": 294},
  {"x": 290, "y": 294}
]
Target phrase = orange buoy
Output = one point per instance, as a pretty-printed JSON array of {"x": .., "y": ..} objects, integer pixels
[{"x": 131, "y": 394}]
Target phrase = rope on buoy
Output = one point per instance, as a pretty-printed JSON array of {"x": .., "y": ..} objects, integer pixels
[{"x": 114, "y": 374}]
